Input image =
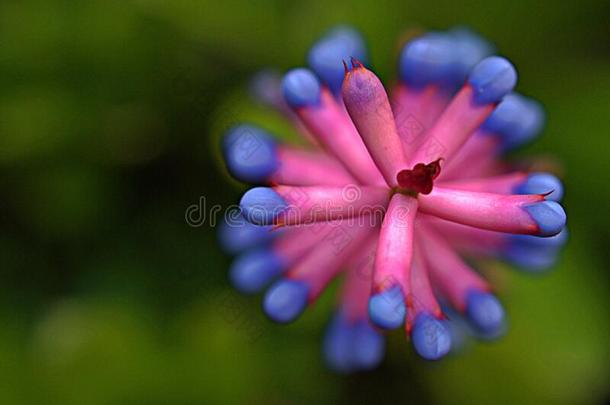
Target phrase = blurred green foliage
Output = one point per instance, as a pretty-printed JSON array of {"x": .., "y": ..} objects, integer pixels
[{"x": 110, "y": 113}]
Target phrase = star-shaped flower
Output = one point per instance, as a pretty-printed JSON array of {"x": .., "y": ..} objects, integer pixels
[{"x": 392, "y": 192}]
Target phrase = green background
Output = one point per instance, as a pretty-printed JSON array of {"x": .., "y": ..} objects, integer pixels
[{"x": 109, "y": 117}]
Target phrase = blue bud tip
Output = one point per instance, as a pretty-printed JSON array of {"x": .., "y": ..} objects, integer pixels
[
  {"x": 427, "y": 60},
  {"x": 470, "y": 49},
  {"x": 253, "y": 270},
  {"x": 491, "y": 79},
  {"x": 532, "y": 260},
  {"x": 485, "y": 313},
  {"x": 236, "y": 235},
  {"x": 327, "y": 55},
  {"x": 535, "y": 253},
  {"x": 431, "y": 338},
  {"x": 301, "y": 88},
  {"x": 286, "y": 300},
  {"x": 549, "y": 216},
  {"x": 368, "y": 346},
  {"x": 387, "y": 308},
  {"x": 337, "y": 345},
  {"x": 516, "y": 119},
  {"x": 262, "y": 205},
  {"x": 250, "y": 154}
]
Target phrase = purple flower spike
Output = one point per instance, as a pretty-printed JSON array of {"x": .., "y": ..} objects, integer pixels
[{"x": 391, "y": 193}]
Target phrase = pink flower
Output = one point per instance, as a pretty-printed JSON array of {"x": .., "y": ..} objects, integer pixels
[{"x": 392, "y": 192}]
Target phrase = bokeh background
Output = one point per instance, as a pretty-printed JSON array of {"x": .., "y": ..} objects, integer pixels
[{"x": 110, "y": 112}]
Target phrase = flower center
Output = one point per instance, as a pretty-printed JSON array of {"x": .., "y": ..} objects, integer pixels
[{"x": 419, "y": 179}]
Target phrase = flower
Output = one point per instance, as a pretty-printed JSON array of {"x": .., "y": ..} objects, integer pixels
[{"x": 392, "y": 193}]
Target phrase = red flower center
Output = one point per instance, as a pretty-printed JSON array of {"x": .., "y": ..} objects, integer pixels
[{"x": 420, "y": 178}]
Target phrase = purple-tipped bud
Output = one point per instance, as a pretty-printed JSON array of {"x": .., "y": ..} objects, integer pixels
[
  {"x": 368, "y": 106},
  {"x": 361, "y": 87}
]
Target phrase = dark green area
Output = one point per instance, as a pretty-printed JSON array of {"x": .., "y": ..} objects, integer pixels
[{"x": 110, "y": 113}]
